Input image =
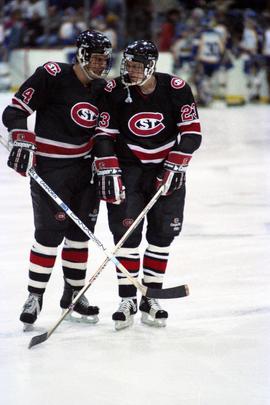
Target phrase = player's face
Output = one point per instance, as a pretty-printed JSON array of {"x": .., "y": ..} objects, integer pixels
[
  {"x": 97, "y": 64},
  {"x": 135, "y": 71}
]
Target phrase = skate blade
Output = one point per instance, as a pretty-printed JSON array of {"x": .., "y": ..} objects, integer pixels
[
  {"x": 28, "y": 327},
  {"x": 119, "y": 325},
  {"x": 150, "y": 321},
  {"x": 91, "y": 319}
]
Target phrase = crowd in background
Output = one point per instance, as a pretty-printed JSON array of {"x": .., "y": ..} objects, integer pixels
[
  {"x": 56, "y": 23},
  {"x": 203, "y": 36},
  {"x": 206, "y": 42}
]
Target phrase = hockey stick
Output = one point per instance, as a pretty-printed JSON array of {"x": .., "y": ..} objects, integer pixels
[
  {"x": 168, "y": 293},
  {"x": 174, "y": 292}
]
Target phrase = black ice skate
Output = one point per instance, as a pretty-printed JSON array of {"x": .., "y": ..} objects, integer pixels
[
  {"x": 88, "y": 313},
  {"x": 30, "y": 311},
  {"x": 152, "y": 313},
  {"x": 124, "y": 315}
]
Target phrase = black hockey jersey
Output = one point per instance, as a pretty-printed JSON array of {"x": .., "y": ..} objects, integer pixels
[
  {"x": 66, "y": 111},
  {"x": 149, "y": 127}
]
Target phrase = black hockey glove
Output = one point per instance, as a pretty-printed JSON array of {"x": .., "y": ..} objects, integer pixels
[
  {"x": 173, "y": 174},
  {"x": 110, "y": 185},
  {"x": 22, "y": 156}
]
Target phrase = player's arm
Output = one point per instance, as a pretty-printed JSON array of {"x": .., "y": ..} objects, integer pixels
[
  {"x": 106, "y": 164},
  {"x": 29, "y": 97},
  {"x": 188, "y": 138}
]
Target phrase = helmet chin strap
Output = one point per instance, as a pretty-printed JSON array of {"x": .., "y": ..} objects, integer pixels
[
  {"x": 85, "y": 72},
  {"x": 148, "y": 72}
]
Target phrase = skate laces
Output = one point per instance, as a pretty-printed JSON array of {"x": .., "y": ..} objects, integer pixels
[
  {"x": 32, "y": 304},
  {"x": 126, "y": 304},
  {"x": 154, "y": 304},
  {"x": 83, "y": 301}
]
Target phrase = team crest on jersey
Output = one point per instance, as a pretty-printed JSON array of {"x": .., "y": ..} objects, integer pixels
[
  {"x": 177, "y": 83},
  {"x": 110, "y": 86},
  {"x": 60, "y": 216},
  {"x": 84, "y": 114},
  {"x": 146, "y": 123},
  {"x": 52, "y": 68},
  {"x": 127, "y": 222}
]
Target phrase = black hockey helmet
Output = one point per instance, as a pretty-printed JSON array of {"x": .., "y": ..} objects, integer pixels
[
  {"x": 92, "y": 42},
  {"x": 142, "y": 51}
]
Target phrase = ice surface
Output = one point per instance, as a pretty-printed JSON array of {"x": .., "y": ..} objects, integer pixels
[{"x": 215, "y": 348}]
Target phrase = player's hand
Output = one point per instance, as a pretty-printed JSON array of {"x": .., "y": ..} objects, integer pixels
[
  {"x": 173, "y": 173},
  {"x": 109, "y": 180},
  {"x": 22, "y": 156}
]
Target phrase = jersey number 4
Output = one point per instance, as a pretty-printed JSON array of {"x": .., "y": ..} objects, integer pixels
[{"x": 27, "y": 95}]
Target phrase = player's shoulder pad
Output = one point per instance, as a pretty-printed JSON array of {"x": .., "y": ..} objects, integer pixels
[
  {"x": 171, "y": 81},
  {"x": 112, "y": 85},
  {"x": 177, "y": 83},
  {"x": 55, "y": 68},
  {"x": 115, "y": 90}
]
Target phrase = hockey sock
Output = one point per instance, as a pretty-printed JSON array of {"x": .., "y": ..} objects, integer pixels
[
  {"x": 74, "y": 262},
  {"x": 42, "y": 259},
  {"x": 154, "y": 265},
  {"x": 130, "y": 259}
]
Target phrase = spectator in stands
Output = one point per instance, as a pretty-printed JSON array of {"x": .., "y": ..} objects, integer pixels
[
  {"x": 36, "y": 8},
  {"x": 34, "y": 30},
  {"x": 98, "y": 8},
  {"x": 51, "y": 26},
  {"x": 15, "y": 31},
  {"x": 70, "y": 27},
  {"x": 168, "y": 30}
]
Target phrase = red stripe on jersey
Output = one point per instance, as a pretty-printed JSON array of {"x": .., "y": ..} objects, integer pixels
[
  {"x": 75, "y": 256},
  {"x": 44, "y": 261},
  {"x": 19, "y": 105},
  {"x": 178, "y": 158},
  {"x": 130, "y": 265},
  {"x": 61, "y": 150},
  {"x": 154, "y": 264},
  {"x": 100, "y": 132},
  {"x": 151, "y": 156},
  {"x": 192, "y": 127}
]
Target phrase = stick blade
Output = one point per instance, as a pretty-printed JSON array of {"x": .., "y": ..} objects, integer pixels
[
  {"x": 36, "y": 340},
  {"x": 168, "y": 293}
]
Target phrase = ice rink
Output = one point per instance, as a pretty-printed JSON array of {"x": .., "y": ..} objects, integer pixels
[{"x": 215, "y": 349}]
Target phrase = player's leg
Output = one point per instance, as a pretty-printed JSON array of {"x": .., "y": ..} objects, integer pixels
[
  {"x": 49, "y": 233},
  {"x": 120, "y": 217},
  {"x": 75, "y": 249},
  {"x": 164, "y": 223},
  {"x": 123, "y": 316},
  {"x": 50, "y": 225}
]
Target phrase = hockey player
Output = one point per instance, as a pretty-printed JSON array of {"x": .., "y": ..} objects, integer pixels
[
  {"x": 147, "y": 132},
  {"x": 210, "y": 54},
  {"x": 64, "y": 97}
]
